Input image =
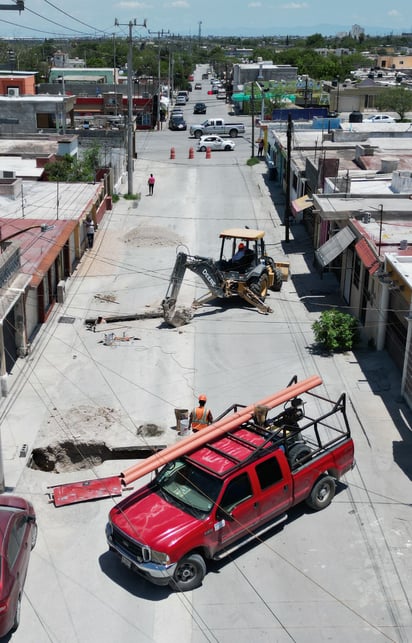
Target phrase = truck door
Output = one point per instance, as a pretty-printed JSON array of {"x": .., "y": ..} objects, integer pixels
[
  {"x": 237, "y": 510},
  {"x": 219, "y": 128},
  {"x": 275, "y": 488}
]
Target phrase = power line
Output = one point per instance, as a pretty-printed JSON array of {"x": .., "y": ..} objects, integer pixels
[{"x": 72, "y": 17}]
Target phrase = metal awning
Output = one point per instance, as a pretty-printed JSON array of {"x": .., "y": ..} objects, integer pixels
[
  {"x": 300, "y": 204},
  {"x": 334, "y": 246},
  {"x": 368, "y": 257}
]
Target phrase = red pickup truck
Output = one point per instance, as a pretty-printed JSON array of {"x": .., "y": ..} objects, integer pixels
[{"x": 222, "y": 494}]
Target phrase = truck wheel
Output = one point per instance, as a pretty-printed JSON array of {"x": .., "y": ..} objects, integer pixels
[
  {"x": 198, "y": 133},
  {"x": 233, "y": 133},
  {"x": 322, "y": 493},
  {"x": 297, "y": 453},
  {"x": 189, "y": 573},
  {"x": 277, "y": 280},
  {"x": 260, "y": 286}
]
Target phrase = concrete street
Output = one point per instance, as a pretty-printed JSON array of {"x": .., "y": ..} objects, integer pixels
[{"x": 343, "y": 574}]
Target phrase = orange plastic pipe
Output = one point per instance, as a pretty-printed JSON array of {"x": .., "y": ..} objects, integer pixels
[{"x": 215, "y": 430}]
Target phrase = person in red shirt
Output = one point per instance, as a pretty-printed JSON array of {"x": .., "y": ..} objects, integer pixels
[
  {"x": 151, "y": 183},
  {"x": 201, "y": 416}
]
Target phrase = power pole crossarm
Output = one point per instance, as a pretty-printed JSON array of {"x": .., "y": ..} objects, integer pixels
[{"x": 18, "y": 6}]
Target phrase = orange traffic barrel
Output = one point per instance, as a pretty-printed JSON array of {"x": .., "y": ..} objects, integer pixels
[
  {"x": 191, "y": 153},
  {"x": 208, "y": 152},
  {"x": 172, "y": 153}
]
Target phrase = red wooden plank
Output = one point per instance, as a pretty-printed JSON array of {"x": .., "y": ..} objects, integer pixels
[{"x": 71, "y": 493}]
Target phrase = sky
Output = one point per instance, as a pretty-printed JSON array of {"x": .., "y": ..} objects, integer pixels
[{"x": 51, "y": 18}]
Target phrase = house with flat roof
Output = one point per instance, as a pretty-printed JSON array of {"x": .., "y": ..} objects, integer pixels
[{"x": 42, "y": 238}]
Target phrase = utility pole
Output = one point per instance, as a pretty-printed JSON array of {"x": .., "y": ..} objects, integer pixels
[
  {"x": 252, "y": 109},
  {"x": 159, "y": 34},
  {"x": 130, "y": 24},
  {"x": 288, "y": 163}
]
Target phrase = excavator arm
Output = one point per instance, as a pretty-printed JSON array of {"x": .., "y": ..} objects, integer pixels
[{"x": 206, "y": 269}]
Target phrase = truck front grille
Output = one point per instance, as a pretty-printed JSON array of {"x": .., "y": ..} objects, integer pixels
[{"x": 123, "y": 542}]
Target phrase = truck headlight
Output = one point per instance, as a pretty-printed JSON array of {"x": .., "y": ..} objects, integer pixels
[{"x": 160, "y": 558}]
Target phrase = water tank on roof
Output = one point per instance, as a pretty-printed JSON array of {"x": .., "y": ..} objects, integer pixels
[{"x": 355, "y": 117}]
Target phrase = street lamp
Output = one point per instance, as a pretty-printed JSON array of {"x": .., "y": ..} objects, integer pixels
[{"x": 44, "y": 227}]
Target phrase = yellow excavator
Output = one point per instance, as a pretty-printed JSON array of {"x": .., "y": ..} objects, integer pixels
[{"x": 249, "y": 276}]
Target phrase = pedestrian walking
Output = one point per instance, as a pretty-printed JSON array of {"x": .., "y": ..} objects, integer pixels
[
  {"x": 89, "y": 231},
  {"x": 201, "y": 416},
  {"x": 260, "y": 148},
  {"x": 151, "y": 183}
]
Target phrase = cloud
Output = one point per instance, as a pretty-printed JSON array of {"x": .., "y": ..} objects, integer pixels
[
  {"x": 178, "y": 4},
  {"x": 254, "y": 5},
  {"x": 132, "y": 5},
  {"x": 394, "y": 13},
  {"x": 294, "y": 5}
]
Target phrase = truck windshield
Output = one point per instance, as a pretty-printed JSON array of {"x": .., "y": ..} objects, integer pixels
[{"x": 189, "y": 485}]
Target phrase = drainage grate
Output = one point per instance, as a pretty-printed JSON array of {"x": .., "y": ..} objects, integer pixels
[{"x": 66, "y": 320}]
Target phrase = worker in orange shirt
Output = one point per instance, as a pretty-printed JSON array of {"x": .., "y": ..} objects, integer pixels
[{"x": 201, "y": 416}]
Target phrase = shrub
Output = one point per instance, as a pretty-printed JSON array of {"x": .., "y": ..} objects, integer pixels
[{"x": 336, "y": 331}]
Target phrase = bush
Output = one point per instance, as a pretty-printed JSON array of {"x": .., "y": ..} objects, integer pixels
[
  {"x": 336, "y": 331},
  {"x": 252, "y": 161}
]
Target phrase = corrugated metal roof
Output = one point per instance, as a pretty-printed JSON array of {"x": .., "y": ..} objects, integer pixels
[
  {"x": 335, "y": 246},
  {"x": 367, "y": 256}
]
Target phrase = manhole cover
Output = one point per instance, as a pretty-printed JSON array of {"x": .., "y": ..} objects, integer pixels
[{"x": 66, "y": 320}]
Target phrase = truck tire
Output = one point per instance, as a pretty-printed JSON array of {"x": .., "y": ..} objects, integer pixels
[
  {"x": 260, "y": 286},
  {"x": 189, "y": 573},
  {"x": 233, "y": 133},
  {"x": 297, "y": 453},
  {"x": 322, "y": 493},
  {"x": 198, "y": 133},
  {"x": 277, "y": 280}
]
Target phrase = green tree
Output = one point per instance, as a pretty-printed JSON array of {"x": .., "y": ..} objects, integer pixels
[
  {"x": 73, "y": 170},
  {"x": 395, "y": 99},
  {"x": 336, "y": 331}
]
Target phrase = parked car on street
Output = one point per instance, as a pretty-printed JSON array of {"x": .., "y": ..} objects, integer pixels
[
  {"x": 214, "y": 142},
  {"x": 199, "y": 108},
  {"x": 380, "y": 118},
  {"x": 198, "y": 85},
  {"x": 177, "y": 123},
  {"x": 18, "y": 534}
]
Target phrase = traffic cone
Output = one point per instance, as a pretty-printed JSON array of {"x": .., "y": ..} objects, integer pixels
[
  {"x": 172, "y": 153},
  {"x": 208, "y": 152},
  {"x": 191, "y": 153}
]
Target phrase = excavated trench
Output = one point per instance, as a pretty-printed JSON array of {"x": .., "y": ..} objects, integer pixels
[{"x": 62, "y": 457}]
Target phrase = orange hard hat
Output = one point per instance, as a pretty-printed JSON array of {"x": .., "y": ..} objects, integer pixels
[
  {"x": 202, "y": 398},
  {"x": 241, "y": 245}
]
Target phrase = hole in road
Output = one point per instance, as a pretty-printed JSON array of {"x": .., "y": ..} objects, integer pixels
[{"x": 75, "y": 456}]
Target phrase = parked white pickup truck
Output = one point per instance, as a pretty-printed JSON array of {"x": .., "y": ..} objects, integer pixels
[{"x": 217, "y": 126}]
